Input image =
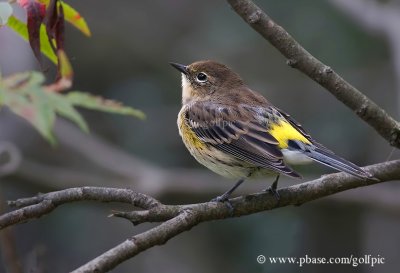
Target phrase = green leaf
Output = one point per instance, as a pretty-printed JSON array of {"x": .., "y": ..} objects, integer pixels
[
  {"x": 73, "y": 17},
  {"x": 40, "y": 117},
  {"x": 89, "y": 101},
  {"x": 21, "y": 29},
  {"x": 5, "y": 12},
  {"x": 26, "y": 96},
  {"x": 45, "y": 114},
  {"x": 17, "y": 81},
  {"x": 64, "y": 108}
]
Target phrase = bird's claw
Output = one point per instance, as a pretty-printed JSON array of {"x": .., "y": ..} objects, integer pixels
[
  {"x": 273, "y": 192},
  {"x": 225, "y": 200}
]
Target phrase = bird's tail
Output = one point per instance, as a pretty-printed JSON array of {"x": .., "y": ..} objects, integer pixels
[{"x": 328, "y": 158}]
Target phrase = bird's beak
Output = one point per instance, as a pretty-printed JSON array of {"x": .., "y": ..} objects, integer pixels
[{"x": 182, "y": 68}]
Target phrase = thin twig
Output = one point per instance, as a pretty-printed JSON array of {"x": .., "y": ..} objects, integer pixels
[
  {"x": 35, "y": 207},
  {"x": 301, "y": 59}
]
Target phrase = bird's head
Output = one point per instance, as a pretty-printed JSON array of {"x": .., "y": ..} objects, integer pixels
[{"x": 203, "y": 80}]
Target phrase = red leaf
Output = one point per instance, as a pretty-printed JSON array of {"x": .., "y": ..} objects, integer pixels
[
  {"x": 60, "y": 28},
  {"x": 35, "y": 14},
  {"x": 55, "y": 23},
  {"x": 55, "y": 30}
]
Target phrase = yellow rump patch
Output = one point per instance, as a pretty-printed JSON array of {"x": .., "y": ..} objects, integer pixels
[{"x": 283, "y": 131}]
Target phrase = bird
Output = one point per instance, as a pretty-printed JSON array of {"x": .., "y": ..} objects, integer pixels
[{"x": 237, "y": 133}]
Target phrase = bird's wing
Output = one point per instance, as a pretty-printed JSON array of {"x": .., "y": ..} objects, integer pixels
[{"x": 234, "y": 130}]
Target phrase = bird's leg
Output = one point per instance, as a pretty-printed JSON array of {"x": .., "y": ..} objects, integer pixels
[
  {"x": 273, "y": 187},
  {"x": 224, "y": 197}
]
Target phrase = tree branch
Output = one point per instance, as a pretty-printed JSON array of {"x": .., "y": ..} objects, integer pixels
[
  {"x": 35, "y": 207},
  {"x": 301, "y": 59},
  {"x": 179, "y": 218}
]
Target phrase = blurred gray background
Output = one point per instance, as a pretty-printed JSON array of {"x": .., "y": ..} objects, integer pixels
[{"x": 127, "y": 59}]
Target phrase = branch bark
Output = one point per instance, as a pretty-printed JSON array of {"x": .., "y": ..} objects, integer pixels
[
  {"x": 179, "y": 218},
  {"x": 301, "y": 59}
]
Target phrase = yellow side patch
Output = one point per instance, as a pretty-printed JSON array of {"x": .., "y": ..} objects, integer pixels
[
  {"x": 188, "y": 136},
  {"x": 283, "y": 132}
]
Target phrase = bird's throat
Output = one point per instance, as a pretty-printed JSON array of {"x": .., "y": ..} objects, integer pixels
[{"x": 187, "y": 90}]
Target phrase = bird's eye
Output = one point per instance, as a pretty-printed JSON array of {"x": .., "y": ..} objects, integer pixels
[{"x": 201, "y": 77}]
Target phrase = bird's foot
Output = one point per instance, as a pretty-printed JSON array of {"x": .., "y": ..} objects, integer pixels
[
  {"x": 273, "y": 191},
  {"x": 224, "y": 198}
]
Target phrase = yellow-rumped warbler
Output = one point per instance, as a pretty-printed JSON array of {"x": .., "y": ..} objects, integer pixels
[{"x": 237, "y": 133}]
